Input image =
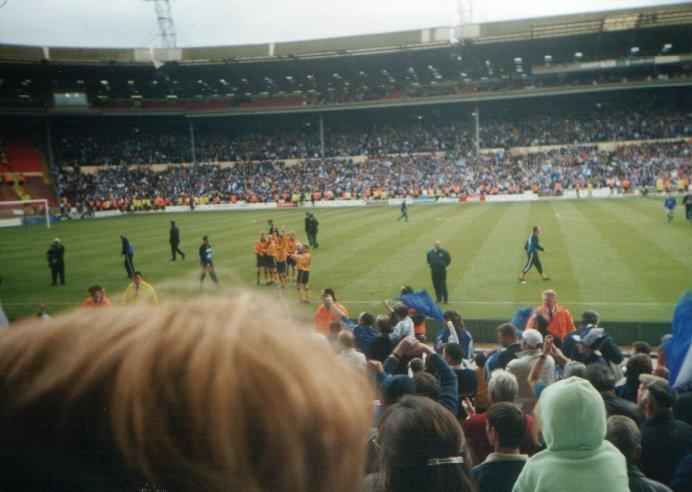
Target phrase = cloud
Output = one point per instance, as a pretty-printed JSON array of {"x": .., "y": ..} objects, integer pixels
[{"x": 132, "y": 23}]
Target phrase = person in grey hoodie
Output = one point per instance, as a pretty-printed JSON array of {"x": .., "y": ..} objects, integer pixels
[{"x": 572, "y": 419}]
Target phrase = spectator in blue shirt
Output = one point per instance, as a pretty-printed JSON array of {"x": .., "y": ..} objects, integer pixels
[
  {"x": 670, "y": 204},
  {"x": 455, "y": 332},
  {"x": 128, "y": 252},
  {"x": 363, "y": 329}
]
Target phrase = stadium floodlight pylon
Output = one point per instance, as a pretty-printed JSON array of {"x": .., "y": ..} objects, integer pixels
[
  {"x": 17, "y": 208},
  {"x": 164, "y": 17}
]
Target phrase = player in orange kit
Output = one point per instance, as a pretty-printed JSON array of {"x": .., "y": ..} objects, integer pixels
[
  {"x": 303, "y": 262},
  {"x": 281, "y": 243},
  {"x": 258, "y": 248}
]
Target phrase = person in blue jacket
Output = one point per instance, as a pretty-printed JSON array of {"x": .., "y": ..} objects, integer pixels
[
  {"x": 669, "y": 205},
  {"x": 456, "y": 333},
  {"x": 532, "y": 247},
  {"x": 128, "y": 252}
]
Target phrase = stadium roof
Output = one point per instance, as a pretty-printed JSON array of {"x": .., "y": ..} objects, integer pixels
[{"x": 487, "y": 33}]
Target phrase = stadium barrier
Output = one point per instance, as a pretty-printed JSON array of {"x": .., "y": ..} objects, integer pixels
[
  {"x": 15, "y": 221},
  {"x": 623, "y": 332},
  {"x": 100, "y": 214},
  {"x": 340, "y": 203},
  {"x": 598, "y": 193},
  {"x": 359, "y": 202}
]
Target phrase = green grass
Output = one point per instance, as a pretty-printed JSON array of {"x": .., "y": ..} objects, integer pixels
[{"x": 619, "y": 257}]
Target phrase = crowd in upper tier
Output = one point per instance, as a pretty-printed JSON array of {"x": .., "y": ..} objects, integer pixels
[
  {"x": 627, "y": 168},
  {"x": 427, "y": 133}
]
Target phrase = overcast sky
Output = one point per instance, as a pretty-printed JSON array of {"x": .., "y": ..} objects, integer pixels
[{"x": 132, "y": 23}]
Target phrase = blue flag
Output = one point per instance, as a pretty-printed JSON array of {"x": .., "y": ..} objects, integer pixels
[
  {"x": 422, "y": 303},
  {"x": 678, "y": 349},
  {"x": 521, "y": 317}
]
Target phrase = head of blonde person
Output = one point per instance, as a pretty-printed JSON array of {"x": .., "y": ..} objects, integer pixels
[{"x": 204, "y": 394}]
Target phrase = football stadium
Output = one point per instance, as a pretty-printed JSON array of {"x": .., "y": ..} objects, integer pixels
[{"x": 470, "y": 228}]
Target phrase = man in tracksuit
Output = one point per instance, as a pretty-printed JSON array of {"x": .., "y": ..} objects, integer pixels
[
  {"x": 439, "y": 259},
  {"x": 128, "y": 252},
  {"x": 311, "y": 225},
  {"x": 206, "y": 259},
  {"x": 669, "y": 205},
  {"x": 404, "y": 212},
  {"x": 174, "y": 239},
  {"x": 532, "y": 248}
]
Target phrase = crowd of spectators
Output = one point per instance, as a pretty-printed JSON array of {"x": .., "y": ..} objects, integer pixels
[
  {"x": 626, "y": 168},
  {"x": 181, "y": 395},
  {"x": 617, "y": 126},
  {"x": 438, "y": 132},
  {"x": 79, "y": 147}
]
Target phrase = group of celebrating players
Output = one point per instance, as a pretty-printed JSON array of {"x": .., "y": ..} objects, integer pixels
[{"x": 278, "y": 256}]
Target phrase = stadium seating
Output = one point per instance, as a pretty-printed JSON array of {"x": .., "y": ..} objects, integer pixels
[{"x": 24, "y": 157}]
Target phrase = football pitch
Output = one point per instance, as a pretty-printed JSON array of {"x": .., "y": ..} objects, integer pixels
[{"x": 617, "y": 256}]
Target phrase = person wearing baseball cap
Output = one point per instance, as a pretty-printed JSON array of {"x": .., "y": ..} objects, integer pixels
[
  {"x": 531, "y": 345},
  {"x": 589, "y": 344},
  {"x": 665, "y": 440}
]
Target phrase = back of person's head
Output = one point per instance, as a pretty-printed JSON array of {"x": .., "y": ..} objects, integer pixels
[
  {"x": 346, "y": 339},
  {"x": 401, "y": 311},
  {"x": 426, "y": 385},
  {"x": 655, "y": 395},
  {"x": 507, "y": 332},
  {"x": 384, "y": 324},
  {"x": 334, "y": 327},
  {"x": 423, "y": 448},
  {"x": 541, "y": 323},
  {"x": 454, "y": 353},
  {"x": 574, "y": 368},
  {"x": 406, "y": 289},
  {"x": 366, "y": 318},
  {"x": 178, "y": 396},
  {"x": 589, "y": 317},
  {"x": 640, "y": 347},
  {"x": 480, "y": 359},
  {"x": 636, "y": 365},
  {"x": 571, "y": 415},
  {"x": 416, "y": 365},
  {"x": 393, "y": 388},
  {"x": 601, "y": 377},
  {"x": 503, "y": 386},
  {"x": 625, "y": 435},
  {"x": 508, "y": 422},
  {"x": 455, "y": 318}
]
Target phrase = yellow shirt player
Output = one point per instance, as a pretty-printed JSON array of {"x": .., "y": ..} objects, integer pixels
[{"x": 303, "y": 262}]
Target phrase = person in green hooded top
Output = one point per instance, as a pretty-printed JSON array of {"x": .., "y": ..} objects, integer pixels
[{"x": 572, "y": 418}]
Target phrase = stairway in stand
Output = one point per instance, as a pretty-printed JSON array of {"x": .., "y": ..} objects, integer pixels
[{"x": 25, "y": 157}]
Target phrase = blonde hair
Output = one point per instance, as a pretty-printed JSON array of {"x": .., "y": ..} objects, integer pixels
[{"x": 205, "y": 394}]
